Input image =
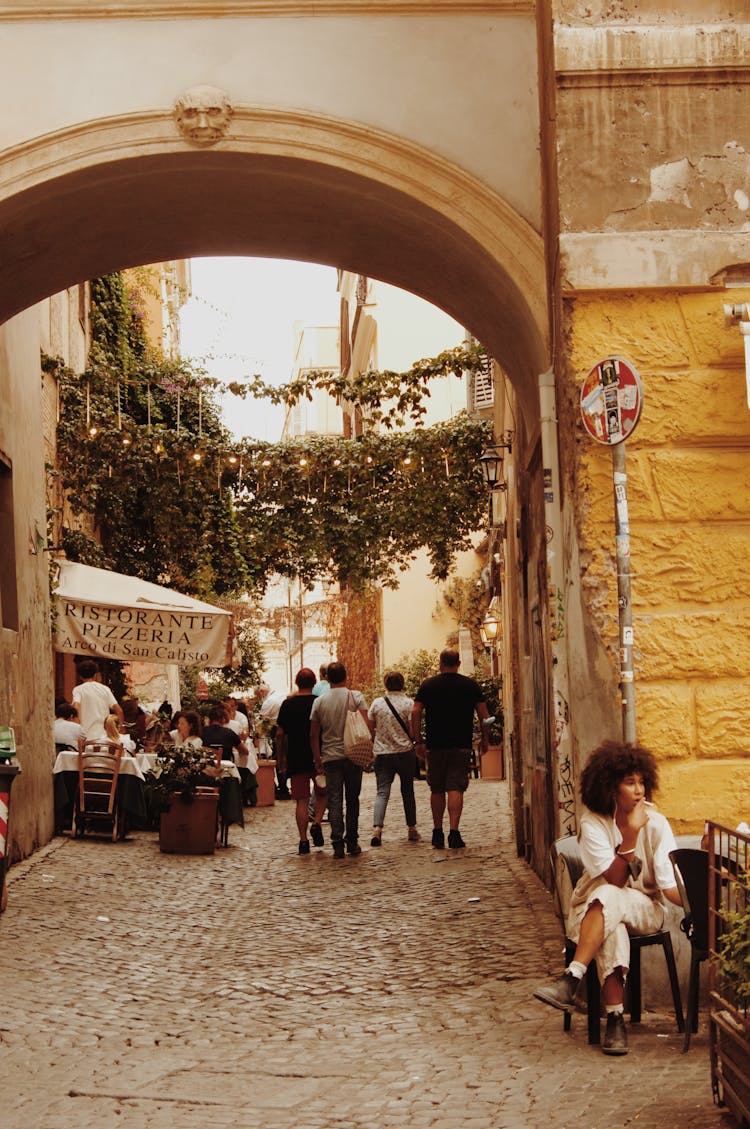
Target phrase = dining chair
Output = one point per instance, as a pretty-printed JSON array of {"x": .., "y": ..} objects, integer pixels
[
  {"x": 691, "y": 874},
  {"x": 96, "y": 799},
  {"x": 567, "y": 868}
]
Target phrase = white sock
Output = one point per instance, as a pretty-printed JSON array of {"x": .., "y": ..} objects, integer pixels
[
  {"x": 615, "y": 1009},
  {"x": 575, "y": 968}
]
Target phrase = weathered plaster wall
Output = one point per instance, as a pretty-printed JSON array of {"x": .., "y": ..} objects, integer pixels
[
  {"x": 688, "y": 467},
  {"x": 26, "y": 692}
]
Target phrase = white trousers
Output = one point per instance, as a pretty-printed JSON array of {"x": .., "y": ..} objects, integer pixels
[{"x": 625, "y": 911}]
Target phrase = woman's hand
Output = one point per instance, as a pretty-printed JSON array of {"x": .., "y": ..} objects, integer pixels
[{"x": 630, "y": 823}]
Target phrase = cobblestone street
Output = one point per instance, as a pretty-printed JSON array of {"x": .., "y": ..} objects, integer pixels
[{"x": 258, "y": 988}]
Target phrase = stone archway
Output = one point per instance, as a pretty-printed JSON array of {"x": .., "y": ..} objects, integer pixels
[{"x": 118, "y": 192}]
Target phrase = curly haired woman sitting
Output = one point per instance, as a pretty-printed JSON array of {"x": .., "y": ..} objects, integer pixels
[{"x": 625, "y": 845}]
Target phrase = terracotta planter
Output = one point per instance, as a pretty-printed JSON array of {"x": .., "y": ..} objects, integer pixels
[
  {"x": 492, "y": 763},
  {"x": 266, "y": 777},
  {"x": 190, "y": 829}
]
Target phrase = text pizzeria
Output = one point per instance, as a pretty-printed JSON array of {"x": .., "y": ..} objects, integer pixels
[{"x": 99, "y": 617}]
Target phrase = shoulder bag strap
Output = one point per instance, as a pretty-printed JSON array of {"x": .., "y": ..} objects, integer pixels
[{"x": 397, "y": 716}]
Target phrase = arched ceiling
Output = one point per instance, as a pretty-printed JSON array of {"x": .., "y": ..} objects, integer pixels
[{"x": 84, "y": 216}]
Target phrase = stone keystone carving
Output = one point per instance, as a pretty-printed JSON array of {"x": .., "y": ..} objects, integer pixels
[{"x": 203, "y": 114}]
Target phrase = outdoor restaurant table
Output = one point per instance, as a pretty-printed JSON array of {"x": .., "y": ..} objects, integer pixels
[{"x": 130, "y": 790}]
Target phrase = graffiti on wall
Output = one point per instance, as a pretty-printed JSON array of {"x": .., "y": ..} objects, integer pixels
[{"x": 566, "y": 800}]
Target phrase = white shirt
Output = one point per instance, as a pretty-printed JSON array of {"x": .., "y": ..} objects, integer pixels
[
  {"x": 271, "y": 704},
  {"x": 67, "y": 732},
  {"x": 597, "y": 853},
  {"x": 389, "y": 736},
  {"x": 330, "y": 710},
  {"x": 94, "y": 701}
]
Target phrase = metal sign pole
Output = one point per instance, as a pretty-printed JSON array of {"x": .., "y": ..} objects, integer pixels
[
  {"x": 611, "y": 401},
  {"x": 625, "y": 610}
]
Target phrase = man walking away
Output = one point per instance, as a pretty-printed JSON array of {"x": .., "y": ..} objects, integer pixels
[
  {"x": 343, "y": 777},
  {"x": 448, "y": 700}
]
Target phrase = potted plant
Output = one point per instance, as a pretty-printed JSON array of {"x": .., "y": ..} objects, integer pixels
[{"x": 184, "y": 793}]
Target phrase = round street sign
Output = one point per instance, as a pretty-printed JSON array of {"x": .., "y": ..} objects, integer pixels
[{"x": 611, "y": 400}]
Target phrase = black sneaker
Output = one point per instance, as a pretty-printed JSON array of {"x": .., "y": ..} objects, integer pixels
[
  {"x": 454, "y": 840},
  {"x": 375, "y": 841},
  {"x": 338, "y": 850},
  {"x": 615, "y": 1037},
  {"x": 438, "y": 838},
  {"x": 316, "y": 834},
  {"x": 304, "y": 847},
  {"x": 354, "y": 848},
  {"x": 561, "y": 994}
]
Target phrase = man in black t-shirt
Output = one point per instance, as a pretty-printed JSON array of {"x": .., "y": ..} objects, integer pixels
[
  {"x": 294, "y": 733},
  {"x": 449, "y": 701}
]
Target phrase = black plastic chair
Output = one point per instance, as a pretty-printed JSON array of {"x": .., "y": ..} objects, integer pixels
[
  {"x": 691, "y": 872},
  {"x": 567, "y": 868}
]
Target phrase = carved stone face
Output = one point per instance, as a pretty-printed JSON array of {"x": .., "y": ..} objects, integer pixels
[{"x": 203, "y": 114}]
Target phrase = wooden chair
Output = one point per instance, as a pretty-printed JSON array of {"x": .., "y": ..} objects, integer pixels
[
  {"x": 691, "y": 872},
  {"x": 567, "y": 868},
  {"x": 96, "y": 799}
]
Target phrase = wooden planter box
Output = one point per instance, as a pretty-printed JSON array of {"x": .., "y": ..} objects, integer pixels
[
  {"x": 266, "y": 777},
  {"x": 732, "y": 1065},
  {"x": 190, "y": 829}
]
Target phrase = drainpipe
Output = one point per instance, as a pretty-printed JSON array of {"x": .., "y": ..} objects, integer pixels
[{"x": 562, "y": 755}]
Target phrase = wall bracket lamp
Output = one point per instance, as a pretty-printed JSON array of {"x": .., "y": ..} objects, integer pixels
[{"x": 492, "y": 461}]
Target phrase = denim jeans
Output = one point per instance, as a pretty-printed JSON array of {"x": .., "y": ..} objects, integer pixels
[
  {"x": 386, "y": 767},
  {"x": 343, "y": 778}
]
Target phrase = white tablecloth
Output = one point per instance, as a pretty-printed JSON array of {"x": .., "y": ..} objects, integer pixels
[{"x": 67, "y": 761}]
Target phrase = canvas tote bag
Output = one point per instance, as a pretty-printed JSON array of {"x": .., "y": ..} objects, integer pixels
[{"x": 357, "y": 737}]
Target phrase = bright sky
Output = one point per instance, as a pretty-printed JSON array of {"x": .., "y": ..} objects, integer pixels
[{"x": 240, "y": 321}]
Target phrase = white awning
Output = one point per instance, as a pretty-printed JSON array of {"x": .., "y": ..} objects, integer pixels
[{"x": 111, "y": 616}]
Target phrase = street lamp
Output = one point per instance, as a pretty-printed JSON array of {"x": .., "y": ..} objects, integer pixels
[
  {"x": 489, "y": 628},
  {"x": 492, "y": 462}
]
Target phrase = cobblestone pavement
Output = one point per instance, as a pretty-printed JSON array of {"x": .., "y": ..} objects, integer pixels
[{"x": 259, "y": 988}]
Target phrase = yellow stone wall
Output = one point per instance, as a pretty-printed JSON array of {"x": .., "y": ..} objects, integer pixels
[{"x": 688, "y": 465}]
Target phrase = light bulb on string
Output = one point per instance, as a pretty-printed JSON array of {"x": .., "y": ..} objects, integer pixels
[
  {"x": 126, "y": 440},
  {"x": 93, "y": 431},
  {"x": 196, "y": 456}
]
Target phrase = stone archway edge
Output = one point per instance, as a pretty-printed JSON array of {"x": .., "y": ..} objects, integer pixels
[
  {"x": 399, "y": 164},
  {"x": 206, "y": 9}
]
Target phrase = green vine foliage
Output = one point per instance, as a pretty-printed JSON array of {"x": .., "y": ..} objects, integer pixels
[
  {"x": 176, "y": 500},
  {"x": 388, "y": 398}
]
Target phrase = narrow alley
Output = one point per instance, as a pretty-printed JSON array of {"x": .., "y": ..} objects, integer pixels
[{"x": 259, "y": 988}]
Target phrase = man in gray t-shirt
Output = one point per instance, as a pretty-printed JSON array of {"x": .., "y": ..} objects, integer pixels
[{"x": 343, "y": 777}]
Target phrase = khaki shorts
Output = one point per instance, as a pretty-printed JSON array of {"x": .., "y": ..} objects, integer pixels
[
  {"x": 626, "y": 911},
  {"x": 448, "y": 769}
]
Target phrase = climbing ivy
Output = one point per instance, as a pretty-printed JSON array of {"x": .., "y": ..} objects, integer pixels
[{"x": 175, "y": 499}]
